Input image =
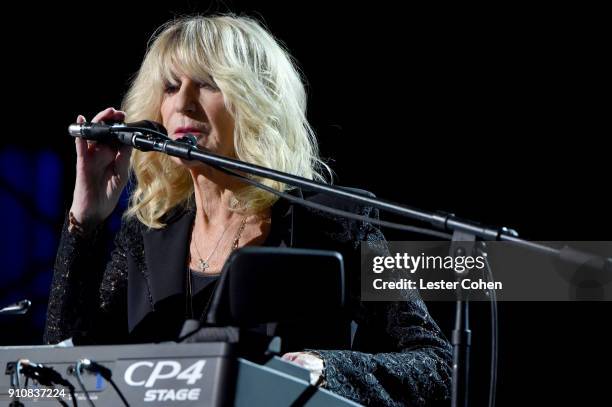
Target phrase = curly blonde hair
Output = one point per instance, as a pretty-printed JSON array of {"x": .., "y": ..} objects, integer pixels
[{"x": 262, "y": 89}]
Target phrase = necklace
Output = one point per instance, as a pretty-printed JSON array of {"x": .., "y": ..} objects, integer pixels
[{"x": 204, "y": 264}]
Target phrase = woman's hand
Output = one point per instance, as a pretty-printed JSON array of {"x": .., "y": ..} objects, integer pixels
[
  {"x": 101, "y": 175},
  {"x": 308, "y": 361}
]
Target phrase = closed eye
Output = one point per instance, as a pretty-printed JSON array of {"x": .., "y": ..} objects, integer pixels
[
  {"x": 208, "y": 85},
  {"x": 171, "y": 88}
]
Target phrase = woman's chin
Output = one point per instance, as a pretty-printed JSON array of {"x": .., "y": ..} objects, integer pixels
[
  {"x": 194, "y": 164},
  {"x": 190, "y": 164}
]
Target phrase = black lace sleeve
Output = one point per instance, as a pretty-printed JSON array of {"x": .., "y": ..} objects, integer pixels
[
  {"x": 87, "y": 301},
  {"x": 399, "y": 357}
]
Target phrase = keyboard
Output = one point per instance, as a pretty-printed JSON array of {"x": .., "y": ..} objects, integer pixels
[{"x": 167, "y": 374}]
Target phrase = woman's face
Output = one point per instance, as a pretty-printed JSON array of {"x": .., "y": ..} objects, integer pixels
[{"x": 197, "y": 108}]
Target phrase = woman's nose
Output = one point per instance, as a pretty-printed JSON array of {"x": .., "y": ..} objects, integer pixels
[{"x": 187, "y": 98}]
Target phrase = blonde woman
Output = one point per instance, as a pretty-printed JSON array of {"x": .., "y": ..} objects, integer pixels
[{"x": 227, "y": 81}]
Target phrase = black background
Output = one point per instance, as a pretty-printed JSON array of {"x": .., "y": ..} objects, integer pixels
[{"x": 499, "y": 114}]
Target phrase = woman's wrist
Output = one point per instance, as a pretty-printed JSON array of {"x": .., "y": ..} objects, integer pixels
[{"x": 81, "y": 226}]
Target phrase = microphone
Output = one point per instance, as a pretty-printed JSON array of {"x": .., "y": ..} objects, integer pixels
[
  {"x": 116, "y": 131},
  {"x": 144, "y": 135},
  {"x": 19, "y": 308}
]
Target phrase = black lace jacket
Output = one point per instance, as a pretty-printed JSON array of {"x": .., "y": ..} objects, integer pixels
[{"x": 397, "y": 356}]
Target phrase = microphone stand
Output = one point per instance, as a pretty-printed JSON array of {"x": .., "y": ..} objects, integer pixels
[{"x": 465, "y": 232}]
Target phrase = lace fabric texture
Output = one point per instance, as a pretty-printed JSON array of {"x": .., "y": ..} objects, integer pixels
[{"x": 399, "y": 356}]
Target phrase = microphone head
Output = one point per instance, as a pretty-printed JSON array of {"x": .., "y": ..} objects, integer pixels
[
  {"x": 75, "y": 130},
  {"x": 19, "y": 308},
  {"x": 188, "y": 139}
]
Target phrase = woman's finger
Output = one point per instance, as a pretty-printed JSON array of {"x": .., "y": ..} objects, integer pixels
[
  {"x": 122, "y": 160},
  {"x": 106, "y": 114},
  {"x": 290, "y": 356},
  {"x": 119, "y": 115},
  {"x": 81, "y": 144}
]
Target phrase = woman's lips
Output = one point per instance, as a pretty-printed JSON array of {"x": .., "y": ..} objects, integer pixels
[{"x": 180, "y": 132}]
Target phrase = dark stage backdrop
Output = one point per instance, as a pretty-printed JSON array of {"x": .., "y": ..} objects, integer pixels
[{"x": 496, "y": 114}]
